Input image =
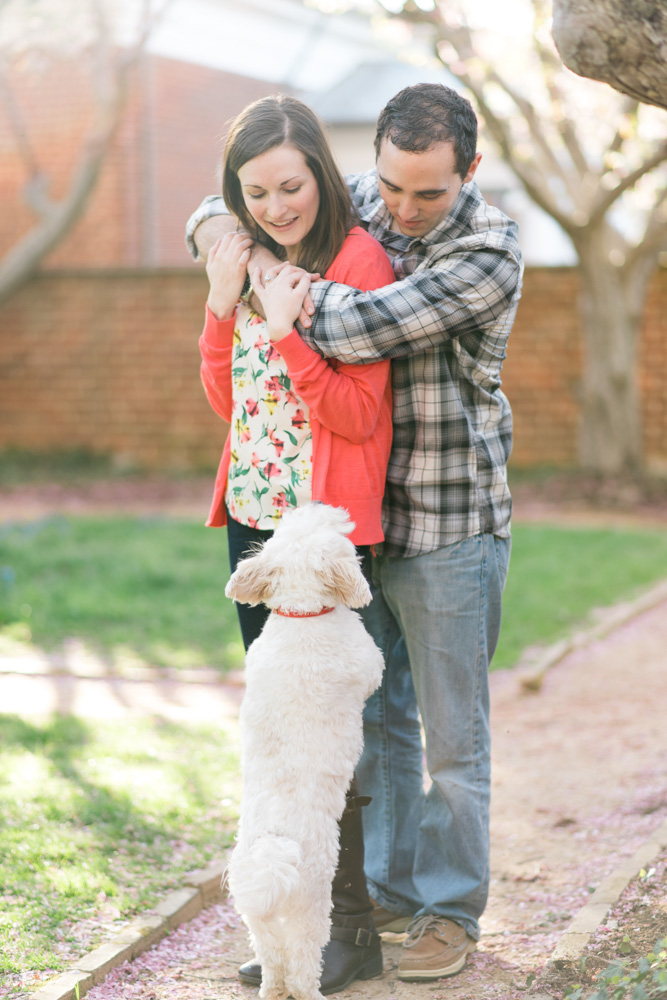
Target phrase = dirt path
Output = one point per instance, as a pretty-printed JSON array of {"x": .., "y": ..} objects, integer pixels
[{"x": 579, "y": 781}]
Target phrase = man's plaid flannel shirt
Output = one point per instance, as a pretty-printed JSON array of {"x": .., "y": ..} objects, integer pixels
[{"x": 445, "y": 324}]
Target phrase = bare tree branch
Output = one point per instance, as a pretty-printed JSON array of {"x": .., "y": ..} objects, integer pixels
[
  {"x": 537, "y": 132},
  {"x": 655, "y": 234},
  {"x": 111, "y": 78},
  {"x": 531, "y": 180},
  {"x": 551, "y": 67},
  {"x": 605, "y": 202},
  {"x": 630, "y": 110},
  {"x": 18, "y": 125}
]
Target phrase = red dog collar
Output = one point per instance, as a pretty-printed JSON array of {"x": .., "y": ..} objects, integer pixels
[{"x": 301, "y": 614}]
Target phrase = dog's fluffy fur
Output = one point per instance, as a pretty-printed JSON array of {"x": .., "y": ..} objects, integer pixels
[{"x": 301, "y": 736}]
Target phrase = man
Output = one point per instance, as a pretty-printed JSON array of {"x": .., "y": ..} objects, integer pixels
[{"x": 438, "y": 582}]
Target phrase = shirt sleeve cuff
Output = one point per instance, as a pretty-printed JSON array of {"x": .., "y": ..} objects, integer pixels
[
  {"x": 212, "y": 205},
  {"x": 218, "y": 332},
  {"x": 294, "y": 351}
]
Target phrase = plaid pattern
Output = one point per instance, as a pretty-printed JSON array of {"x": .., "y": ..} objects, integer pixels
[{"x": 446, "y": 327}]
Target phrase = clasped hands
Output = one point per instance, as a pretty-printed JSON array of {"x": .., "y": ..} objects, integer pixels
[
  {"x": 281, "y": 291},
  {"x": 284, "y": 293}
]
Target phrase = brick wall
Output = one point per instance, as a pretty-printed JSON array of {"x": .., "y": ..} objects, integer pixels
[
  {"x": 108, "y": 361},
  {"x": 542, "y": 373}
]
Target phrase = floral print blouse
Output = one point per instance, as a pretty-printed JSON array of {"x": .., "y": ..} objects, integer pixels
[{"x": 271, "y": 442}]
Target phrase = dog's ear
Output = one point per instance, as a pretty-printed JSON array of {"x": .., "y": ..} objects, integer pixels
[
  {"x": 349, "y": 584},
  {"x": 252, "y": 581}
]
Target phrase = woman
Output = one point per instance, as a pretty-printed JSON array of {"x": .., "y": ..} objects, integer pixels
[{"x": 301, "y": 427}]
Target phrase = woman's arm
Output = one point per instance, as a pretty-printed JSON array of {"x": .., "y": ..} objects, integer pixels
[
  {"x": 215, "y": 347},
  {"x": 226, "y": 269},
  {"x": 346, "y": 400}
]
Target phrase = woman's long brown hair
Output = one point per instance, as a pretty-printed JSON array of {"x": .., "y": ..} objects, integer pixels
[{"x": 286, "y": 121}]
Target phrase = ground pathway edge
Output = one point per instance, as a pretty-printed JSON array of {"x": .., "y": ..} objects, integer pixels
[{"x": 203, "y": 888}]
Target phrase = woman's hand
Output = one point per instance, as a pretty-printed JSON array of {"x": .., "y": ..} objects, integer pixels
[
  {"x": 282, "y": 292},
  {"x": 226, "y": 267}
]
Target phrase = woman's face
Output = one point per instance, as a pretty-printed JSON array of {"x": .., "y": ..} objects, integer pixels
[{"x": 281, "y": 195}]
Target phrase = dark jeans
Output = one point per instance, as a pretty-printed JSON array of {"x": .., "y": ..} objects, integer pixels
[{"x": 243, "y": 541}]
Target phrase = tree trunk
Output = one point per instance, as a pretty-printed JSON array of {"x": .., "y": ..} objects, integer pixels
[{"x": 610, "y": 440}]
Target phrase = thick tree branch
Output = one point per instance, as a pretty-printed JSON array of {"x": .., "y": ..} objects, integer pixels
[{"x": 618, "y": 42}]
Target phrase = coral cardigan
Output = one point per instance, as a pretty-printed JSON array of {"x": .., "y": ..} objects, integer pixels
[{"x": 350, "y": 405}]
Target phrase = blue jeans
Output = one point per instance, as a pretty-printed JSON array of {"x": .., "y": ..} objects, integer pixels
[{"x": 436, "y": 618}]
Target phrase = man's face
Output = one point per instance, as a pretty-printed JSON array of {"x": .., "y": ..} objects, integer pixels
[{"x": 420, "y": 189}]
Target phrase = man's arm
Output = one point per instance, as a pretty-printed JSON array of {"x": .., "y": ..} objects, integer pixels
[
  {"x": 210, "y": 231},
  {"x": 208, "y": 223},
  {"x": 465, "y": 292},
  {"x": 211, "y": 220}
]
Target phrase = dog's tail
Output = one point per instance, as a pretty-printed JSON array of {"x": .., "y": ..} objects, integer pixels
[{"x": 262, "y": 878}]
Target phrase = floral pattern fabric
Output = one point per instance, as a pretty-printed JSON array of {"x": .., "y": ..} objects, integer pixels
[{"x": 271, "y": 442}]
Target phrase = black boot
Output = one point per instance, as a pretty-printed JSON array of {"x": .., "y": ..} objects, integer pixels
[{"x": 354, "y": 950}]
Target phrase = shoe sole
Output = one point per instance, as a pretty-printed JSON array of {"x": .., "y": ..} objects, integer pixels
[
  {"x": 371, "y": 970},
  {"x": 420, "y": 975},
  {"x": 393, "y": 937},
  {"x": 250, "y": 981}
]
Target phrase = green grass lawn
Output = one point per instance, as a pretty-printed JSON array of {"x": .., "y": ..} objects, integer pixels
[
  {"x": 138, "y": 588},
  {"x": 98, "y": 822},
  {"x": 559, "y": 575},
  {"x": 152, "y": 589}
]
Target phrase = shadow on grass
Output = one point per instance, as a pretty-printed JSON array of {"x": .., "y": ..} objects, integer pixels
[
  {"x": 99, "y": 821},
  {"x": 107, "y": 814}
]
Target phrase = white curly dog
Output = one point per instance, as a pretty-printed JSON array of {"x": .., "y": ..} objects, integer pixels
[{"x": 307, "y": 678}]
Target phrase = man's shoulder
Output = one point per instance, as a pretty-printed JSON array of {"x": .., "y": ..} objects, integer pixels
[
  {"x": 364, "y": 190},
  {"x": 475, "y": 224}
]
